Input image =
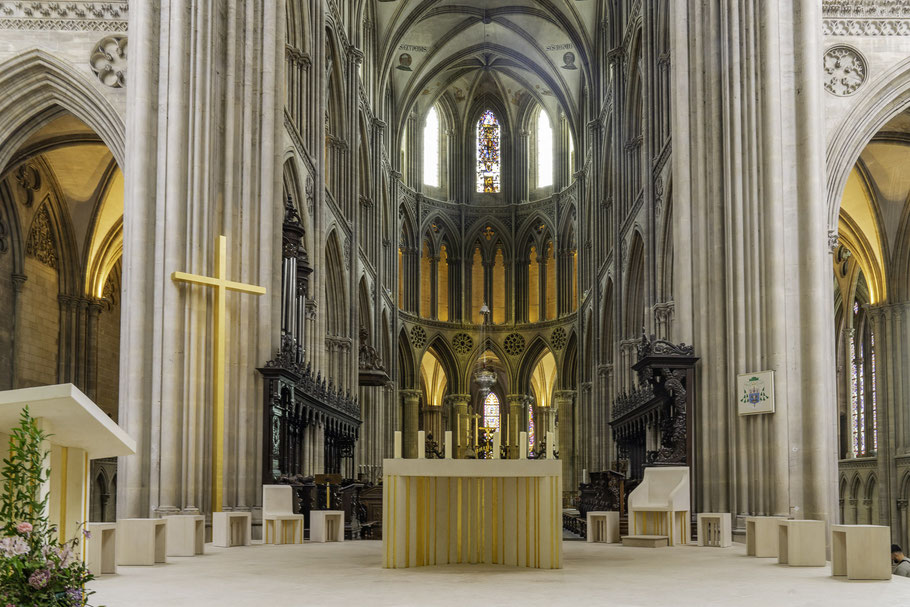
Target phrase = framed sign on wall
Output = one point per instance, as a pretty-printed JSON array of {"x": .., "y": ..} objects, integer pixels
[{"x": 755, "y": 392}]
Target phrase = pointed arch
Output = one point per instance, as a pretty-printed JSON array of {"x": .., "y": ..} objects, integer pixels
[
  {"x": 635, "y": 287},
  {"x": 336, "y": 297},
  {"x": 407, "y": 365},
  {"x": 38, "y": 87}
]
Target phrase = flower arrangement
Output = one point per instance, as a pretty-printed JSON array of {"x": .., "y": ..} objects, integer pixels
[{"x": 35, "y": 567}]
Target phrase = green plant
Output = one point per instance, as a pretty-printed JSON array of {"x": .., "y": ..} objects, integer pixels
[{"x": 35, "y": 567}]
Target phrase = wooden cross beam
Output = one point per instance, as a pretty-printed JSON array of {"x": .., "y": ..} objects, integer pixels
[{"x": 222, "y": 285}]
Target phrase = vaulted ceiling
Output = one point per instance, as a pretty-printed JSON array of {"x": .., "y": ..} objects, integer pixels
[{"x": 462, "y": 50}]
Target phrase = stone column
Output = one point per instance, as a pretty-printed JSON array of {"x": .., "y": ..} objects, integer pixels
[
  {"x": 518, "y": 422},
  {"x": 409, "y": 416},
  {"x": 564, "y": 401},
  {"x": 202, "y": 124},
  {"x": 462, "y": 423},
  {"x": 753, "y": 188},
  {"x": 544, "y": 418}
]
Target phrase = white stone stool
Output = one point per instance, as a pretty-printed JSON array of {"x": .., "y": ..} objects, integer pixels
[
  {"x": 761, "y": 535},
  {"x": 141, "y": 541},
  {"x": 185, "y": 534},
  {"x": 101, "y": 548},
  {"x": 231, "y": 529},
  {"x": 801, "y": 543},
  {"x": 714, "y": 529},
  {"x": 326, "y": 526},
  {"x": 861, "y": 552},
  {"x": 603, "y": 526}
]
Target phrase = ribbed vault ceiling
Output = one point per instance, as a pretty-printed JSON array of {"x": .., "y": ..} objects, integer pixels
[{"x": 462, "y": 50}]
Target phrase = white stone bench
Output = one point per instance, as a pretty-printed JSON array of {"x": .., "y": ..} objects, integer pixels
[
  {"x": 603, "y": 526},
  {"x": 762, "y": 536},
  {"x": 861, "y": 552},
  {"x": 326, "y": 525},
  {"x": 231, "y": 529},
  {"x": 714, "y": 529},
  {"x": 141, "y": 541},
  {"x": 801, "y": 543},
  {"x": 101, "y": 548},
  {"x": 185, "y": 534}
]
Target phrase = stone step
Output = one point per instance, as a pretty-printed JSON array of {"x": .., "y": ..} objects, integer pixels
[{"x": 645, "y": 541}]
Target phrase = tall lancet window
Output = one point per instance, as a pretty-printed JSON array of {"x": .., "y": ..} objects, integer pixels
[
  {"x": 489, "y": 160},
  {"x": 431, "y": 149},
  {"x": 491, "y": 411},
  {"x": 544, "y": 150}
]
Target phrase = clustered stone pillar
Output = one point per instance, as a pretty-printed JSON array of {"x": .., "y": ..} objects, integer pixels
[
  {"x": 517, "y": 423},
  {"x": 544, "y": 420},
  {"x": 752, "y": 309},
  {"x": 892, "y": 347},
  {"x": 564, "y": 401},
  {"x": 409, "y": 417}
]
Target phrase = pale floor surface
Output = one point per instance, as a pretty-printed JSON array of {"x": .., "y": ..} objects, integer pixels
[{"x": 350, "y": 573}]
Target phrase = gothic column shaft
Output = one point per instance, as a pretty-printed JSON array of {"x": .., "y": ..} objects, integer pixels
[{"x": 410, "y": 420}]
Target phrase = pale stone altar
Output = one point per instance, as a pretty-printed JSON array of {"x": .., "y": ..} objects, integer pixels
[
  {"x": 446, "y": 511},
  {"x": 80, "y": 431}
]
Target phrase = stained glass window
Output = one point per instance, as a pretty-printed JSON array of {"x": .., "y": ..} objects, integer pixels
[
  {"x": 489, "y": 160},
  {"x": 531, "y": 426},
  {"x": 854, "y": 398},
  {"x": 491, "y": 411},
  {"x": 431, "y": 149},
  {"x": 544, "y": 150},
  {"x": 874, "y": 400}
]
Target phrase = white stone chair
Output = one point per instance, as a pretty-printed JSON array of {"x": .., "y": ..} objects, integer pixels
[
  {"x": 326, "y": 525},
  {"x": 101, "y": 548},
  {"x": 278, "y": 516},
  {"x": 714, "y": 529},
  {"x": 141, "y": 541},
  {"x": 660, "y": 504},
  {"x": 603, "y": 526},
  {"x": 231, "y": 529},
  {"x": 861, "y": 552},
  {"x": 185, "y": 534}
]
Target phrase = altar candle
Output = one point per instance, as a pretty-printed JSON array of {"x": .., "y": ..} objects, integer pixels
[
  {"x": 421, "y": 444},
  {"x": 584, "y": 475},
  {"x": 448, "y": 445},
  {"x": 551, "y": 438},
  {"x": 496, "y": 441},
  {"x": 397, "y": 444},
  {"x": 523, "y": 445}
]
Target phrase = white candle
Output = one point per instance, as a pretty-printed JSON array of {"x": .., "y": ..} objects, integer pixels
[
  {"x": 397, "y": 444},
  {"x": 421, "y": 444},
  {"x": 496, "y": 441},
  {"x": 523, "y": 445},
  {"x": 551, "y": 445},
  {"x": 584, "y": 475},
  {"x": 448, "y": 445}
]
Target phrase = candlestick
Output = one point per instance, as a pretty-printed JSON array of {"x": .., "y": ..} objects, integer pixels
[{"x": 397, "y": 444}]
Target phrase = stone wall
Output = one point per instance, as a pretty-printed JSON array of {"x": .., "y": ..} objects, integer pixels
[{"x": 37, "y": 331}]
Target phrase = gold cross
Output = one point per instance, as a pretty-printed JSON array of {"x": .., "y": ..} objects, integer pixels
[{"x": 221, "y": 285}]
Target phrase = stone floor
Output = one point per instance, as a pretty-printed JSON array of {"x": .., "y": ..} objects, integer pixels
[{"x": 351, "y": 574}]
